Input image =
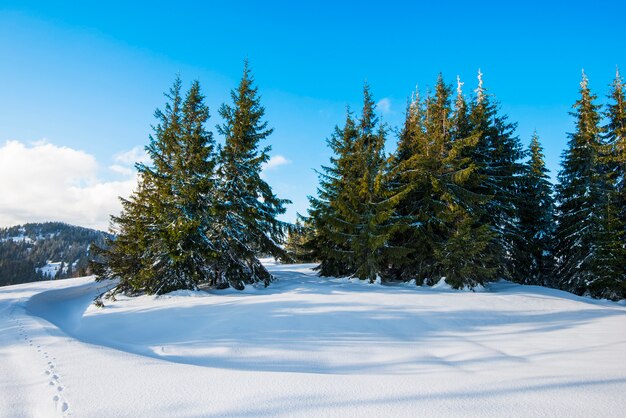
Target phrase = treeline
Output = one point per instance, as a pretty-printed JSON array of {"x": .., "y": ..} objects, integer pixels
[
  {"x": 461, "y": 199},
  {"x": 25, "y": 249},
  {"x": 201, "y": 214}
]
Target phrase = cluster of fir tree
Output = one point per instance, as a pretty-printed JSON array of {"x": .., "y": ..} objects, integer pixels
[
  {"x": 201, "y": 213},
  {"x": 460, "y": 199}
]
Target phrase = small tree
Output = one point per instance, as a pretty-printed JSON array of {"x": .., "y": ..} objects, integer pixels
[{"x": 296, "y": 244}]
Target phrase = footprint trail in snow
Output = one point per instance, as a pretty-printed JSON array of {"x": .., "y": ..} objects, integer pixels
[{"x": 60, "y": 403}]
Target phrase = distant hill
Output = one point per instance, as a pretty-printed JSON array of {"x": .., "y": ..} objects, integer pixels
[{"x": 44, "y": 251}]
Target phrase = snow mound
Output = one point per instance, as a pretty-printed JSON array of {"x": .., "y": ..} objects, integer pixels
[{"x": 441, "y": 285}]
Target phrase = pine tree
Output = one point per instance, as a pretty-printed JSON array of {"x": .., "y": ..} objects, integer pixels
[
  {"x": 498, "y": 154},
  {"x": 464, "y": 257},
  {"x": 330, "y": 243},
  {"x": 418, "y": 167},
  {"x": 616, "y": 138},
  {"x": 611, "y": 260},
  {"x": 408, "y": 176},
  {"x": 368, "y": 209},
  {"x": 438, "y": 210},
  {"x": 122, "y": 257},
  {"x": 534, "y": 264},
  {"x": 296, "y": 244},
  {"x": 461, "y": 124},
  {"x": 247, "y": 208},
  {"x": 581, "y": 197},
  {"x": 351, "y": 215},
  {"x": 461, "y": 264},
  {"x": 163, "y": 232}
]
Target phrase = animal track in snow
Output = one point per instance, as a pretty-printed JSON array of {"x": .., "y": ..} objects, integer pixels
[{"x": 61, "y": 405}]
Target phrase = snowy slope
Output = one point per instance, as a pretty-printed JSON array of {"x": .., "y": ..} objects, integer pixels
[{"x": 308, "y": 346}]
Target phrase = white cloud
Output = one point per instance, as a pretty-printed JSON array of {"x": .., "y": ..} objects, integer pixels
[
  {"x": 384, "y": 105},
  {"x": 45, "y": 182},
  {"x": 126, "y": 161},
  {"x": 275, "y": 161},
  {"x": 132, "y": 156},
  {"x": 120, "y": 169}
]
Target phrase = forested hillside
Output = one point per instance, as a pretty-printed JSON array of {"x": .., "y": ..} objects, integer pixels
[{"x": 43, "y": 251}]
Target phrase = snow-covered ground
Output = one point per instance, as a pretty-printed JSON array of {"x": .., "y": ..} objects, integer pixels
[
  {"x": 308, "y": 346},
  {"x": 52, "y": 268}
]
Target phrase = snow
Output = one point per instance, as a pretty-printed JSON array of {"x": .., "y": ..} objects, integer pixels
[
  {"x": 51, "y": 268},
  {"x": 442, "y": 285},
  {"x": 28, "y": 240},
  {"x": 18, "y": 238},
  {"x": 309, "y": 346}
]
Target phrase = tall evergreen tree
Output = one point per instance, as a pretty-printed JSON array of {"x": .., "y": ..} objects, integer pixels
[
  {"x": 498, "y": 155},
  {"x": 246, "y": 224},
  {"x": 465, "y": 255},
  {"x": 611, "y": 263},
  {"x": 534, "y": 264},
  {"x": 439, "y": 210},
  {"x": 407, "y": 176},
  {"x": 124, "y": 256},
  {"x": 581, "y": 197},
  {"x": 616, "y": 138},
  {"x": 351, "y": 214},
  {"x": 162, "y": 233},
  {"x": 367, "y": 208},
  {"x": 330, "y": 244}
]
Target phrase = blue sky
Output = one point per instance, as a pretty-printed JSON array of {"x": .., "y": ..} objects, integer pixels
[{"x": 84, "y": 79}]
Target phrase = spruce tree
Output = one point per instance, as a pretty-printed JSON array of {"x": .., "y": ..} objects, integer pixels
[
  {"x": 330, "y": 243},
  {"x": 616, "y": 138},
  {"x": 296, "y": 247},
  {"x": 163, "y": 231},
  {"x": 498, "y": 156},
  {"x": 439, "y": 210},
  {"x": 534, "y": 264},
  {"x": 123, "y": 257},
  {"x": 351, "y": 215},
  {"x": 407, "y": 176},
  {"x": 418, "y": 167},
  {"x": 611, "y": 264},
  {"x": 246, "y": 224},
  {"x": 368, "y": 208},
  {"x": 581, "y": 197}
]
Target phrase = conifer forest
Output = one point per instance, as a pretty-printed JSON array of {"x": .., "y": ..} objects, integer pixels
[{"x": 459, "y": 197}]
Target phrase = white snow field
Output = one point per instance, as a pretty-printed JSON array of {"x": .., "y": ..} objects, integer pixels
[{"x": 309, "y": 346}]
